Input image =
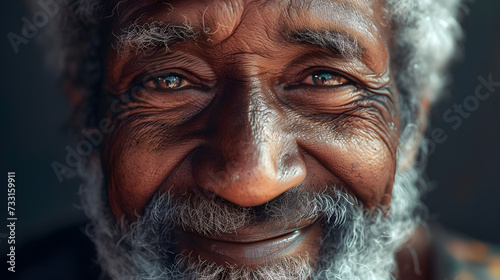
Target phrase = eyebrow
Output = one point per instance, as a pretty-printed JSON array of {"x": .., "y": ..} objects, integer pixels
[
  {"x": 337, "y": 42},
  {"x": 153, "y": 35},
  {"x": 339, "y": 27}
]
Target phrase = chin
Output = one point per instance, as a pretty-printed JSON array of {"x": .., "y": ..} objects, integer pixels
[{"x": 336, "y": 238}]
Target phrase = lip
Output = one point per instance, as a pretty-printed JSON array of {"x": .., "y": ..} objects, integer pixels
[
  {"x": 248, "y": 250},
  {"x": 251, "y": 234},
  {"x": 256, "y": 233}
]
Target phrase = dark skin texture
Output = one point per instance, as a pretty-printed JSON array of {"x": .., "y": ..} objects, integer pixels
[{"x": 252, "y": 112}]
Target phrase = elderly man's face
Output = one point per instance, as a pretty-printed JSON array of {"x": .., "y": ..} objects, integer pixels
[{"x": 240, "y": 102}]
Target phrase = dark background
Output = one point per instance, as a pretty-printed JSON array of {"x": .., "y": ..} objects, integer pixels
[{"x": 464, "y": 170}]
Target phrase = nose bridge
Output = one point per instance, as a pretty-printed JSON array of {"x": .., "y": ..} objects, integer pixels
[
  {"x": 262, "y": 125},
  {"x": 247, "y": 134}
]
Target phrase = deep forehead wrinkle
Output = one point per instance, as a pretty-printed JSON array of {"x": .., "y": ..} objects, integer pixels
[{"x": 341, "y": 5}]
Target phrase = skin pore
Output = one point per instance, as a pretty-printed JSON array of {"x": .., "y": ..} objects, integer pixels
[{"x": 248, "y": 101}]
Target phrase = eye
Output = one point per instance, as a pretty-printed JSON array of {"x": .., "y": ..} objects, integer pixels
[
  {"x": 325, "y": 79},
  {"x": 170, "y": 81}
]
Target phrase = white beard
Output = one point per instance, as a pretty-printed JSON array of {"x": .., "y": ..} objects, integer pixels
[{"x": 356, "y": 244}]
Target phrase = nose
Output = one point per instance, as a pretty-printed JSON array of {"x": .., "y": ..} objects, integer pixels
[{"x": 249, "y": 158}]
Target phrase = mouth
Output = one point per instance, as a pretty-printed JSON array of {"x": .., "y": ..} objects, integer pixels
[{"x": 253, "y": 248}]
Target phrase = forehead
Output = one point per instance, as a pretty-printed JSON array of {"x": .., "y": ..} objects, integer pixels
[
  {"x": 218, "y": 20},
  {"x": 228, "y": 14}
]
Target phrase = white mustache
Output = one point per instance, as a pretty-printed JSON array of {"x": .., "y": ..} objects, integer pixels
[{"x": 214, "y": 216}]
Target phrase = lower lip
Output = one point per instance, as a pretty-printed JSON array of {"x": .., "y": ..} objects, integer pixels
[{"x": 247, "y": 254}]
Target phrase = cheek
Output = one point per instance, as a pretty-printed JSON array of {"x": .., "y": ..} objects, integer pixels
[
  {"x": 133, "y": 177},
  {"x": 136, "y": 169},
  {"x": 363, "y": 162}
]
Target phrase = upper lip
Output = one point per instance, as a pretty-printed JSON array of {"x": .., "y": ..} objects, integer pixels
[{"x": 255, "y": 233}]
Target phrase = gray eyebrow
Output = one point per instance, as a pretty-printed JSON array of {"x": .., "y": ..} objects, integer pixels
[
  {"x": 153, "y": 35},
  {"x": 346, "y": 46}
]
